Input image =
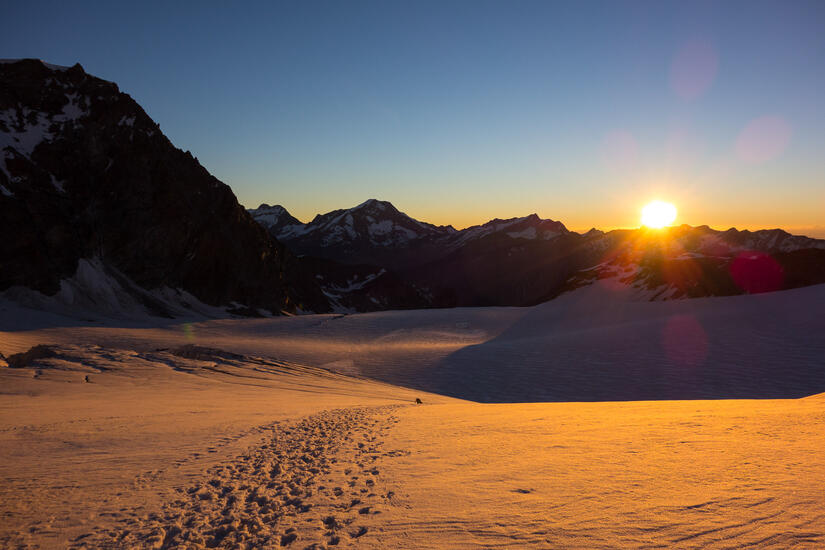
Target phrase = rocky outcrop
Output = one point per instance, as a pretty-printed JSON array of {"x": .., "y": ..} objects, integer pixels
[{"x": 86, "y": 174}]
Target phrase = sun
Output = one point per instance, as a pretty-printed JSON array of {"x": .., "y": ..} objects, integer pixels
[{"x": 658, "y": 214}]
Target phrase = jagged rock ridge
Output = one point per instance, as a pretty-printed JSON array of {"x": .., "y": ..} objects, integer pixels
[
  {"x": 86, "y": 174},
  {"x": 527, "y": 260}
]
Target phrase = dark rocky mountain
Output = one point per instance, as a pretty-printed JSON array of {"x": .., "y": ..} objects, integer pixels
[
  {"x": 690, "y": 262},
  {"x": 353, "y": 288},
  {"x": 98, "y": 207},
  {"x": 498, "y": 269},
  {"x": 525, "y": 261},
  {"x": 373, "y": 233},
  {"x": 91, "y": 188},
  {"x": 376, "y": 233}
]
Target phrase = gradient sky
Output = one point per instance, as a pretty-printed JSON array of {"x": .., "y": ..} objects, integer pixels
[{"x": 458, "y": 112}]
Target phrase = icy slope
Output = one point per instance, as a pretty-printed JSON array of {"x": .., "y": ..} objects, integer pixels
[{"x": 596, "y": 343}]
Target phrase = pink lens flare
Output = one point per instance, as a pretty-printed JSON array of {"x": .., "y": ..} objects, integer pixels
[
  {"x": 620, "y": 150},
  {"x": 763, "y": 139},
  {"x": 756, "y": 272},
  {"x": 684, "y": 340},
  {"x": 693, "y": 69}
]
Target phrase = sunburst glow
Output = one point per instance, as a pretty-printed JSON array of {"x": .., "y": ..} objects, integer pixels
[{"x": 657, "y": 214}]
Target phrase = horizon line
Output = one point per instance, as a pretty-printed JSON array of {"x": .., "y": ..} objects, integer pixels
[{"x": 811, "y": 232}]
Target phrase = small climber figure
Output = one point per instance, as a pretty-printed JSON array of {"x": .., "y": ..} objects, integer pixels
[{"x": 418, "y": 401}]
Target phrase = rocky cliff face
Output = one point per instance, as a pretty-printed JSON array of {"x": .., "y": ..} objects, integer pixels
[{"x": 86, "y": 174}]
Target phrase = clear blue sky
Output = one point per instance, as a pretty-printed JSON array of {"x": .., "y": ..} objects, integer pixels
[{"x": 462, "y": 111}]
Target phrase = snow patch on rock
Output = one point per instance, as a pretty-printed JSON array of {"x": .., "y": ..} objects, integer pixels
[
  {"x": 529, "y": 233},
  {"x": 97, "y": 290},
  {"x": 26, "y": 129},
  {"x": 58, "y": 184}
]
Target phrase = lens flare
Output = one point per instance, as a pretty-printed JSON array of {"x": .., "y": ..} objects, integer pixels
[
  {"x": 693, "y": 69},
  {"x": 763, "y": 139},
  {"x": 657, "y": 214}
]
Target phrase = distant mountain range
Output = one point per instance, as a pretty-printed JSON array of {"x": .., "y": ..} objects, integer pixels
[
  {"x": 99, "y": 212},
  {"x": 375, "y": 232},
  {"x": 528, "y": 260}
]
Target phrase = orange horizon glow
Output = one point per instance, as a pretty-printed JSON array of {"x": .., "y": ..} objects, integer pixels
[{"x": 581, "y": 222}]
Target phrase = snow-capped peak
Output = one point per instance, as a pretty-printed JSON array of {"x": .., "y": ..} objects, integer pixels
[
  {"x": 275, "y": 209},
  {"x": 371, "y": 223},
  {"x": 374, "y": 203},
  {"x": 276, "y": 219},
  {"x": 527, "y": 227}
]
